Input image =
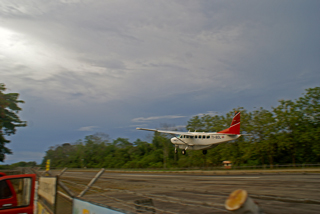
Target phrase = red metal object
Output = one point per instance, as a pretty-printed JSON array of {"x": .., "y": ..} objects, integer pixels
[{"x": 9, "y": 197}]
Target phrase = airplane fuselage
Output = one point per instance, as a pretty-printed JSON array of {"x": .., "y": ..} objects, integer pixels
[{"x": 202, "y": 141}]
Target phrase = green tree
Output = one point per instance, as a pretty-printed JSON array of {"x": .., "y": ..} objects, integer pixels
[
  {"x": 309, "y": 106},
  {"x": 299, "y": 126},
  {"x": 287, "y": 118},
  {"x": 138, "y": 152},
  {"x": 94, "y": 151},
  {"x": 263, "y": 134},
  {"x": 9, "y": 119},
  {"x": 161, "y": 150}
]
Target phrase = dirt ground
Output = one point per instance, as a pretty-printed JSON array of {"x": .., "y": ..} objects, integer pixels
[{"x": 284, "y": 192}]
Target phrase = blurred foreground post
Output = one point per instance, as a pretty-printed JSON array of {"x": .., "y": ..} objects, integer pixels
[
  {"x": 239, "y": 202},
  {"x": 92, "y": 182}
]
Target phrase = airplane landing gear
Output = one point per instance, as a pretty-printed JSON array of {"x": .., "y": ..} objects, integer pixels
[
  {"x": 183, "y": 152},
  {"x": 204, "y": 152},
  {"x": 176, "y": 149}
]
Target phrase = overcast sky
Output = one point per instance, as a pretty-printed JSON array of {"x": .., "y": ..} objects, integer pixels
[{"x": 87, "y": 66}]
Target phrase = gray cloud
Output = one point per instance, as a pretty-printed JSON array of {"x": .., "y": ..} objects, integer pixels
[
  {"x": 144, "y": 119},
  {"x": 106, "y": 62},
  {"x": 88, "y": 128}
]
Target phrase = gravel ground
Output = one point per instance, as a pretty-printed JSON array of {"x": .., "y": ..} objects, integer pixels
[{"x": 282, "y": 192}]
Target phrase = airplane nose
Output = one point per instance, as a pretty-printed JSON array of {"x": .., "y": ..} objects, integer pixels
[{"x": 174, "y": 140}]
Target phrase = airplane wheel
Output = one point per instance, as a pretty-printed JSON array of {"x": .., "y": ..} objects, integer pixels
[
  {"x": 183, "y": 152},
  {"x": 204, "y": 152}
]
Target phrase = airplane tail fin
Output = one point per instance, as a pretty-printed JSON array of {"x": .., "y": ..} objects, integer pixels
[{"x": 235, "y": 125}]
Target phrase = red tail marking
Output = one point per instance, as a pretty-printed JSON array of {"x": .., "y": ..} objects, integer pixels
[
  {"x": 236, "y": 119},
  {"x": 235, "y": 125}
]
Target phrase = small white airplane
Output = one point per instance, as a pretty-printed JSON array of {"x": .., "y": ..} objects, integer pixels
[{"x": 203, "y": 140}]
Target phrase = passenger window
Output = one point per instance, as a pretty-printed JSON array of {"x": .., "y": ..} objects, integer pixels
[
  {"x": 5, "y": 191},
  {"x": 22, "y": 188},
  {"x": 191, "y": 136},
  {"x": 208, "y": 136},
  {"x": 195, "y": 136},
  {"x": 187, "y": 136},
  {"x": 203, "y": 137}
]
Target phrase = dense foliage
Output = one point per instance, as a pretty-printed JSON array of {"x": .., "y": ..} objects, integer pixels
[
  {"x": 289, "y": 133},
  {"x": 9, "y": 119},
  {"x": 19, "y": 164}
]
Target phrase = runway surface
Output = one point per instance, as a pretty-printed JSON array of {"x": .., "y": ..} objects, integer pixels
[{"x": 196, "y": 193}]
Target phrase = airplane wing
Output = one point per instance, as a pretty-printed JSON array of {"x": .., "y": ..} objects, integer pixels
[
  {"x": 190, "y": 133},
  {"x": 167, "y": 132}
]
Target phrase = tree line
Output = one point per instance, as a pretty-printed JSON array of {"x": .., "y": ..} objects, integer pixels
[
  {"x": 18, "y": 164},
  {"x": 288, "y": 133}
]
